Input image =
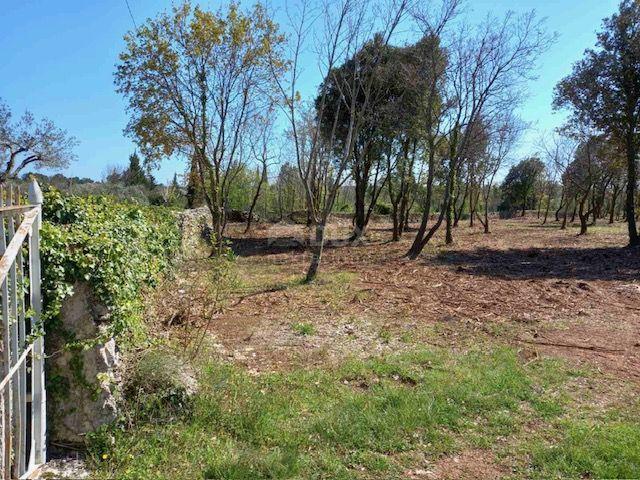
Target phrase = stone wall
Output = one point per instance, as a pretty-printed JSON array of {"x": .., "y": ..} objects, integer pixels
[{"x": 82, "y": 383}]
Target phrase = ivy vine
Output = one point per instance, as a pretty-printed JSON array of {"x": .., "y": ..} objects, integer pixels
[{"x": 119, "y": 249}]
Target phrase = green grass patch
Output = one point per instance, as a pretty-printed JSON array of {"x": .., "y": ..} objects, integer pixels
[
  {"x": 355, "y": 421},
  {"x": 302, "y": 328},
  {"x": 606, "y": 447}
]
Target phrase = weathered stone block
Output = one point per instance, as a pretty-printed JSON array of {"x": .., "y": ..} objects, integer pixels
[{"x": 83, "y": 382}]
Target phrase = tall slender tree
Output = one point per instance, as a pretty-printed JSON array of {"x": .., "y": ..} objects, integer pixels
[{"x": 603, "y": 92}]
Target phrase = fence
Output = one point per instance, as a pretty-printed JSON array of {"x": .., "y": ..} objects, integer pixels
[{"x": 22, "y": 393}]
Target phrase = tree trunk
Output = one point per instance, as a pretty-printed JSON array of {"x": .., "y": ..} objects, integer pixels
[
  {"x": 458, "y": 214},
  {"x": 316, "y": 253},
  {"x": 359, "y": 218},
  {"x": 614, "y": 198},
  {"x": 575, "y": 210},
  {"x": 449, "y": 234},
  {"x": 634, "y": 239},
  {"x": 540, "y": 204},
  {"x": 562, "y": 199},
  {"x": 414, "y": 252},
  {"x": 485, "y": 222},
  {"x": 584, "y": 216},
  {"x": 546, "y": 211},
  {"x": 254, "y": 201},
  {"x": 450, "y": 208},
  {"x": 402, "y": 213},
  {"x": 396, "y": 223},
  {"x": 486, "y": 218},
  {"x": 415, "y": 249},
  {"x": 407, "y": 213}
]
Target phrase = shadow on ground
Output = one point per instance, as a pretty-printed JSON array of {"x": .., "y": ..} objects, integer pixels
[
  {"x": 252, "y": 246},
  {"x": 621, "y": 264},
  {"x": 262, "y": 246}
]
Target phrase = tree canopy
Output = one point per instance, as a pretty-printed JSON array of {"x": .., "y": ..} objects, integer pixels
[{"x": 28, "y": 142}]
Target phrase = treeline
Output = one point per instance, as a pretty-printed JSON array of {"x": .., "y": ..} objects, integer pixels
[
  {"x": 134, "y": 184},
  {"x": 415, "y": 113},
  {"x": 420, "y": 125}
]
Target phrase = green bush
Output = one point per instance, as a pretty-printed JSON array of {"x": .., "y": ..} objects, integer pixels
[
  {"x": 382, "y": 209},
  {"x": 158, "y": 388},
  {"x": 118, "y": 248}
]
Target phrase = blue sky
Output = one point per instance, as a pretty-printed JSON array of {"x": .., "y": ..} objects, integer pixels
[{"x": 58, "y": 59}]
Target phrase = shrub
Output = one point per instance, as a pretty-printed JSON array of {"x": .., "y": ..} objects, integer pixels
[
  {"x": 158, "y": 387},
  {"x": 302, "y": 328},
  {"x": 118, "y": 248},
  {"x": 382, "y": 209}
]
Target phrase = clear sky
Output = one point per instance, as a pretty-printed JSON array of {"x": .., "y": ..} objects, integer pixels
[{"x": 57, "y": 59}]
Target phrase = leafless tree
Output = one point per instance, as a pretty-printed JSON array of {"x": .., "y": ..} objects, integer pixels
[
  {"x": 486, "y": 71},
  {"x": 31, "y": 143},
  {"x": 341, "y": 29},
  {"x": 261, "y": 145},
  {"x": 505, "y": 130}
]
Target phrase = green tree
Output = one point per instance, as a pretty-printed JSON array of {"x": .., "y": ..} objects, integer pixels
[
  {"x": 195, "y": 80},
  {"x": 518, "y": 185},
  {"x": 603, "y": 92},
  {"x": 388, "y": 124},
  {"x": 135, "y": 173}
]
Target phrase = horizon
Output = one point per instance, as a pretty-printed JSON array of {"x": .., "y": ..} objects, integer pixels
[{"x": 75, "y": 47}]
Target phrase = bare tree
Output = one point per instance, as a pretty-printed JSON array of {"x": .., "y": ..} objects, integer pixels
[
  {"x": 485, "y": 73},
  {"x": 261, "y": 142},
  {"x": 505, "y": 131},
  {"x": 346, "y": 27},
  {"x": 28, "y": 142}
]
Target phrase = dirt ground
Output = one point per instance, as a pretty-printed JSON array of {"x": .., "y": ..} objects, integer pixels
[{"x": 547, "y": 291}]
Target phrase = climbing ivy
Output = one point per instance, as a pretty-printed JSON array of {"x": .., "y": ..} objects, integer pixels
[{"x": 118, "y": 248}]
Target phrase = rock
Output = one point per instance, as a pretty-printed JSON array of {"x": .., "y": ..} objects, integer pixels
[
  {"x": 81, "y": 383},
  {"x": 238, "y": 216},
  {"x": 195, "y": 232},
  {"x": 63, "y": 469},
  {"x": 299, "y": 217}
]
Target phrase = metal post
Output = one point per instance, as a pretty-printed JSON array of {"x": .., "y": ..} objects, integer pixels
[{"x": 38, "y": 452}]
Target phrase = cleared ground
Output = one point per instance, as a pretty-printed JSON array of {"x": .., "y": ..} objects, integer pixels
[
  {"x": 543, "y": 290},
  {"x": 522, "y": 347}
]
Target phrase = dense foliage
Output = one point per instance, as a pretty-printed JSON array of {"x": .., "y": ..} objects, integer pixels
[{"x": 118, "y": 248}]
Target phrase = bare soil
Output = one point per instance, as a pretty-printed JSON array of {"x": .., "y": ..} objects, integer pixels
[{"x": 547, "y": 291}]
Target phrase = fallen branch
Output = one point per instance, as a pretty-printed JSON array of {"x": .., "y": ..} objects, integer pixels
[{"x": 571, "y": 345}]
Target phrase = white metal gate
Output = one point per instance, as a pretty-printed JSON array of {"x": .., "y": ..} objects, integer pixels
[{"x": 22, "y": 393}]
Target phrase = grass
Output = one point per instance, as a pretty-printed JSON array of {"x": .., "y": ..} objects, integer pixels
[
  {"x": 588, "y": 449},
  {"x": 363, "y": 419},
  {"x": 604, "y": 447},
  {"x": 302, "y": 328}
]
